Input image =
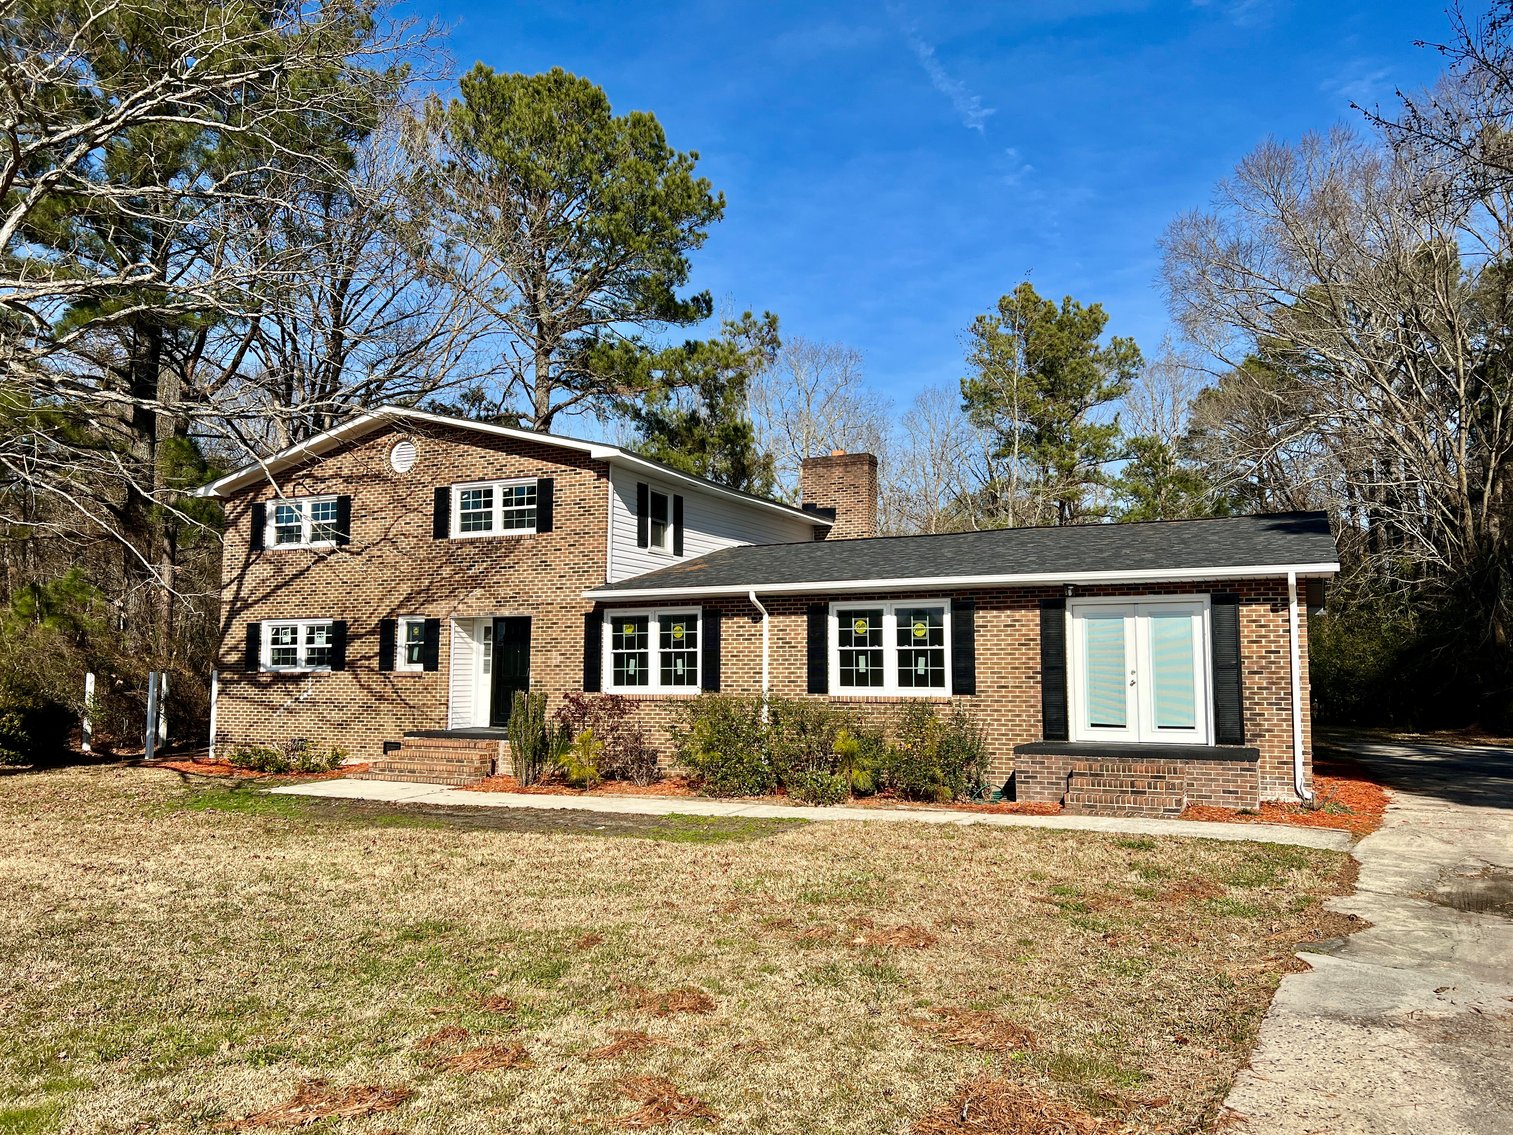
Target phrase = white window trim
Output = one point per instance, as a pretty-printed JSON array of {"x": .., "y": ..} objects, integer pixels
[
  {"x": 654, "y": 651},
  {"x": 266, "y": 651},
  {"x": 1140, "y": 730},
  {"x": 455, "y": 524},
  {"x": 665, "y": 547},
  {"x": 270, "y": 525},
  {"x": 890, "y": 687},
  {"x": 400, "y": 624}
]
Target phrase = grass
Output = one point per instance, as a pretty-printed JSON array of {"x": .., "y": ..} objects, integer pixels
[{"x": 181, "y": 957}]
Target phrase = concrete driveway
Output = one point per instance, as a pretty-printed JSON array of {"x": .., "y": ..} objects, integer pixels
[{"x": 1405, "y": 1028}]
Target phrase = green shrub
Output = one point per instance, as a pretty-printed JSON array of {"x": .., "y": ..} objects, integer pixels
[
  {"x": 722, "y": 743},
  {"x": 295, "y": 755},
  {"x": 800, "y": 738},
  {"x": 533, "y": 752},
  {"x": 935, "y": 760},
  {"x": 15, "y": 740},
  {"x": 818, "y": 787},
  {"x": 580, "y": 760},
  {"x": 859, "y": 758}
]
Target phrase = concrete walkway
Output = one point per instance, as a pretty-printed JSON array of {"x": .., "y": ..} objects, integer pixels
[
  {"x": 1406, "y": 1027},
  {"x": 429, "y": 794}
]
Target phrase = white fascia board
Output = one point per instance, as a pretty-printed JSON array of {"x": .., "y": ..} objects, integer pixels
[
  {"x": 373, "y": 419},
  {"x": 938, "y": 582}
]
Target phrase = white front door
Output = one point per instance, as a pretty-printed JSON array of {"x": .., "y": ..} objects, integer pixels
[
  {"x": 470, "y": 672},
  {"x": 1139, "y": 671}
]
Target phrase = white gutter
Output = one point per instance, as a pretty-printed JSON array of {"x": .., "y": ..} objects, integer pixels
[
  {"x": 1035, "y": 579},
  {"x": 766, "y": 645},
  {"x": 1304, "y": 792}
]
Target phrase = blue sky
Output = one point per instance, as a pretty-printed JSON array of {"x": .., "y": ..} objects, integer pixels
[{"x": 892, "y": 168}]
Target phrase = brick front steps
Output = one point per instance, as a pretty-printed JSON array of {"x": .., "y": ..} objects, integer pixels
[
  {"x": 453, "y": 761},
  {"x": 1125, "y": 788}
]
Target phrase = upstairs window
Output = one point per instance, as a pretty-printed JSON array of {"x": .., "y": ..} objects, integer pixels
[
  {"x": 491, "y": 508},
  {"x": 659, "y": 521},
  {"x": 890, "y": 648},
  {"x": 308, "y": 522}
]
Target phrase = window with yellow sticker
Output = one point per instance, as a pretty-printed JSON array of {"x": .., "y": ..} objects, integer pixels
[
  {"x": 890, "y": 648},
  {"x": 653, "y": 651}
]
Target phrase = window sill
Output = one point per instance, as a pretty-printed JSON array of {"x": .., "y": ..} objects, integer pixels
[
  {"x": 643, "y": 693},
  {"x": 515, "y": 535},
  {"x": 320, "y": 546},
  {"x": 296, "y": 670},
  {"x": 1138, "y": 749},
  {"x": 889, "y": 695}
]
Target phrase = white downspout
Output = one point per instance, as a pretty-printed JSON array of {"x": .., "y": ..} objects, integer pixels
[
  {"x": 766, "y": 645},
  {"x": 1303, "y": 791}
]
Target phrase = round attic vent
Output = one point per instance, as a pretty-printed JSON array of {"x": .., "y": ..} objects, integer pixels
[{"x": 402, "y": 456}]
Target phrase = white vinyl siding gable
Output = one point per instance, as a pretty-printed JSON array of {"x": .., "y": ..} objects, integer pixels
[{"x": 710, "y": 522}]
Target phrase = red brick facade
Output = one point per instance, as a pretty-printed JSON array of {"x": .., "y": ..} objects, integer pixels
[{"x": 394, "y": 567}]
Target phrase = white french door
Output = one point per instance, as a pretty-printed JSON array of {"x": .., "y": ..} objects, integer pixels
[{"x": 1139, "y": 671}]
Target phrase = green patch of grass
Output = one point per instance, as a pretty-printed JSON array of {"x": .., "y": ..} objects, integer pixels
[
  {"x": 679, "y": 828},
  {"x": 31, "y": 1119},
  {"x": 1091, "y": 1071},
  {"x": 1136, "y": 843},
  {"x": 1226, "y": 906},
  {"x": 865, "y": 889},
  {"x": 242, "y": 799}
]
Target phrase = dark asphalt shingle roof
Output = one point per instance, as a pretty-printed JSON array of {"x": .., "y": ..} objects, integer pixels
[{"x": 1278, "y": 539}]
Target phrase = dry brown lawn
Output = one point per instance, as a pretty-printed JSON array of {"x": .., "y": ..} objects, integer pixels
[{"x": 181, "y": 957}]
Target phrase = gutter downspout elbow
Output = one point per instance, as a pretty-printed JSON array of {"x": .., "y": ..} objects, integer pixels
[{"x": 1295, "y": 656}]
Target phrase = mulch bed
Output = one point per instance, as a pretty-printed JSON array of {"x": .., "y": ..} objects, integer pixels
[
  {"x": 1348, "y": 800},
  {"x": 202, "y": 766}
]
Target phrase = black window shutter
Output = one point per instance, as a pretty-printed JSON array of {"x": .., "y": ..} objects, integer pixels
[
  {"x": 677, "y": 526},
  {"x": 430, "y": 651},
  {"x": 544, "y": 487},
  {"x": 593, "y": 652},
  {"x": 441, "y": 514},
  {"x": 1054, "y": 718},
  {"x": 388, "y": 634},
  {"x": 819, "y": 648},
  {"x": 339, "y": 644},
  {"x": 343, "y": 520},
  {"x": 963, "y": 646},
  {"x": 709, "y": 672},
  {"x": 643, "y": 515},
  {"x": 1229, "y": 708},
  {"x": 259, "y": 525},
  {"x": 1315, "y": 591},
  {"x": 253, "y": 660}
]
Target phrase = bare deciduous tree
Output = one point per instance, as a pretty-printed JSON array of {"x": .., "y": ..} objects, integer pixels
[{"x": 813, "y": 400}]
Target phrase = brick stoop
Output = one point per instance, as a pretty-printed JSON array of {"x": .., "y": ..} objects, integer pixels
[
  {"x": 452, "y": 761},
  {"x": 1125, "y": 788}
]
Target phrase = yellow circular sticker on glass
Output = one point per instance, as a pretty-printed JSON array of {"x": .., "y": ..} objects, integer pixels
[
  {"x": 628, "y": 629},
  {"x": 921, "y": 629},
  {"x": 859, "y": 626},
  {"x": 677, "y": 630}
]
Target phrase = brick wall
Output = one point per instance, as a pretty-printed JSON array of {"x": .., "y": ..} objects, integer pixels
[
  {"x": 394, "y": 567},
  {"x": 1007, "y": 704}
]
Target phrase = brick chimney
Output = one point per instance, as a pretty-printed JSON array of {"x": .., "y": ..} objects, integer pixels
[{"x": 843, "y": 485}]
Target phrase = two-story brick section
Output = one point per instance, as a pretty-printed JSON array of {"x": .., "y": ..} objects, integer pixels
[{"x": 387, "y": 587}]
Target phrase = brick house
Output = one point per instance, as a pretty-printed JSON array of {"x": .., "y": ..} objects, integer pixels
[{"x": 388, "y": 585}]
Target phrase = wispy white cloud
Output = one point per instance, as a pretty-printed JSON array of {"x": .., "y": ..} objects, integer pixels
[
  {"x": 1242, "y": 13},
  {"x": 1015, "y": 168},
  {"x": 968, "y": 106},
  {"x": 1360, "y": 83}
]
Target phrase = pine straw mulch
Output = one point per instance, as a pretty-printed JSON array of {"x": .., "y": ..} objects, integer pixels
[
  {"x": 907, "y": 937},
  {"x": 485, "y": 1058},
  {"x": 661, "y": 1103},
  {"x": 990, "y": 1105},
  {"x": 315, "y": 1100},
  {"x": 623, "y": 1041},
  {"x": 973, "y": 1028},
  {"x": 444, "y": 1037},
  {"x": 203, "y": 766},
  {"x": 1349, "y": 799},
  {"x": 498, "y": 1004},
  {"x": 666, "y": 1002}
]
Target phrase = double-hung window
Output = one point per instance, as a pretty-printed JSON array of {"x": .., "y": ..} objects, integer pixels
[
  {"x": 410, "y": 644},
  {"x": 1138, "y": 671},
  {"x": 307, "y": 522},
  {"x": 659, "y": 521},
  {"x": 298, "y": 644},
  {"x": 492, "y": 508},
  {"x": 890, "y": 648},
  {"x": 653, "y": 651}
]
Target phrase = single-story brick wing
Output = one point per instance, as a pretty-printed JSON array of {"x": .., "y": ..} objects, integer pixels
[{"x": 388, "y": 586}]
